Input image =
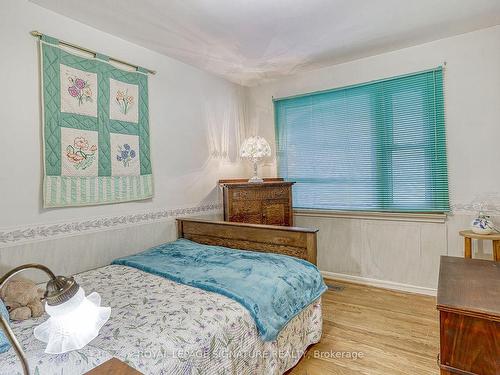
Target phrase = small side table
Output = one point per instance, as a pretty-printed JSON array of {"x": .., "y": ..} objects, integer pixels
[
  {"x": 112, "y": 367},
  {"x": 468, "y": 235}
]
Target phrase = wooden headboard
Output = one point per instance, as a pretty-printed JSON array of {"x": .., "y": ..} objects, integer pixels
[{"x": 294, "y": 241}]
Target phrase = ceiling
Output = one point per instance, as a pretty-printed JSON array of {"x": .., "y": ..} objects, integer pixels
[{"x": 251, "y": 41}]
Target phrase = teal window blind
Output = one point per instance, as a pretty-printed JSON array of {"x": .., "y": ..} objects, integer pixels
[{"x": 378, "y": 146}]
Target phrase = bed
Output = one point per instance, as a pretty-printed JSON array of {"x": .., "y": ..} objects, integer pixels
[{"x": 159, "y": 326}]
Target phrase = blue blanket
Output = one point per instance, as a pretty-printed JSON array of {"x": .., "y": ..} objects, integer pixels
[{"x": 273, "y": 288}]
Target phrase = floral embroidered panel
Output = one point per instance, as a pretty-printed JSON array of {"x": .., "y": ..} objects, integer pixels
[{"x": 95, "y": 129}]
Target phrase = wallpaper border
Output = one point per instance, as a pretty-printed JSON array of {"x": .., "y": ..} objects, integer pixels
[
  {"x": 38, "y": 232},
  {"x": 473, "y": 209}
]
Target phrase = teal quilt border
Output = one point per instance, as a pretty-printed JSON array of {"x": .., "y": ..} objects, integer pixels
[{"x": 63, "y": 191}]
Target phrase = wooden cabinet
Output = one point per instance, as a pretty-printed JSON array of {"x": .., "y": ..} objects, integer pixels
[
  {"x": 113, "y": 366},
  {"x": 468, "y": 301},
  {"x": 267, "y": 203}
]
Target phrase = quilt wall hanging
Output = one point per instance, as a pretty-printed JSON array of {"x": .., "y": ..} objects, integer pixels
[{"x": 96, "y": 143}]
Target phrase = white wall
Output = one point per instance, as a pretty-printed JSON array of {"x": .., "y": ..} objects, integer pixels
[
  {"x": 408, "y": 253},
  {"x": 195, "y": 122}
]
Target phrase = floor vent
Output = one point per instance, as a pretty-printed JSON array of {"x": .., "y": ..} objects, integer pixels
[{"x": 335, "y": 288}]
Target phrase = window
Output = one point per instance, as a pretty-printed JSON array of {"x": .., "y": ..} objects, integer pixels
[{"x": 378, "y": 146}]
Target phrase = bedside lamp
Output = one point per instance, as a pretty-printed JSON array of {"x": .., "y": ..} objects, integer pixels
[
  {"x": 254, "y": 149},
  {"x": 74, "y": 320}
]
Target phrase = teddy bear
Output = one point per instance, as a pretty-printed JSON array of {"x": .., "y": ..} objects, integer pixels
[{"x": 23, "y": 299}]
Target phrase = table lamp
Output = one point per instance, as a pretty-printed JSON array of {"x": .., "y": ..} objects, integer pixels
[
  {"x": 74, "y": 320},
  {"x": 254, "y": 149}
]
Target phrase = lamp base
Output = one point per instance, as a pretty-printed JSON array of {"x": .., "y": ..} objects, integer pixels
[{"x": 256, "y": 180}]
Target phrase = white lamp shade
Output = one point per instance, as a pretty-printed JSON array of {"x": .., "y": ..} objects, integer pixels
[
  {"x": 255, "y": 148},
  {"x": 73, "y": 324}
]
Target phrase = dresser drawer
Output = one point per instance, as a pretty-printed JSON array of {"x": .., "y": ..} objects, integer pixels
[
  {"x": 256, "y": 194},
  {"x": 245, "y": 207},
  {"x": 243, "y": 194},
  {"x": 275, "y": 193}
]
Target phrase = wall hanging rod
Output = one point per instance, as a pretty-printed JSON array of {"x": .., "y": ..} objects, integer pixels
[{"x": 38, "y": 34}]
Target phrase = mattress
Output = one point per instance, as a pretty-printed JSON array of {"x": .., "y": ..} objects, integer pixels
[{"x": 161, "y": 327}]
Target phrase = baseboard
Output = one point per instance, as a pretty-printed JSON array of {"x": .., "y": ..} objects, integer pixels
[{"x": 380, "y": 283}]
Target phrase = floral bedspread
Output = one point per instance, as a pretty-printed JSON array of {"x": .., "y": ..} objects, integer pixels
[{"x": 162, "y": 327}]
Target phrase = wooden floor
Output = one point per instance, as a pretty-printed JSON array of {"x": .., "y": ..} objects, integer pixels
[{"x": 398, "y": 333}]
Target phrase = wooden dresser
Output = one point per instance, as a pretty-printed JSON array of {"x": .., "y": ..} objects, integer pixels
[
  {"x": 267, "y": 203},
  {"x": 468, "y": 301}
]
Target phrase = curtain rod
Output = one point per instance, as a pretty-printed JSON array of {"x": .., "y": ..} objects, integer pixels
[{"x": 38, "y": 34}]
